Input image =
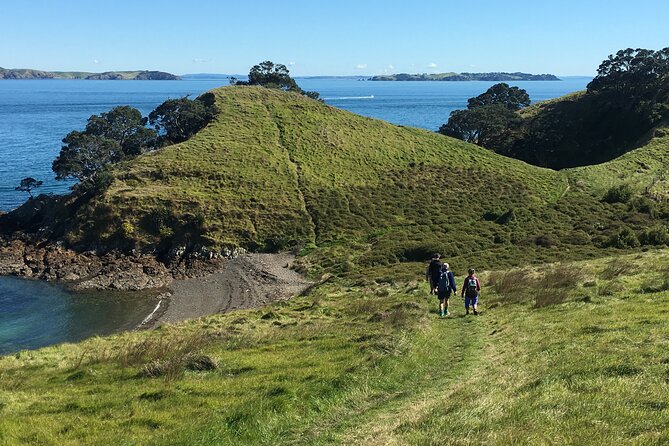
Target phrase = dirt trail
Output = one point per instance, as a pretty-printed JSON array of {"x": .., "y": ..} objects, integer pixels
[{"x": 247, "y": 281}]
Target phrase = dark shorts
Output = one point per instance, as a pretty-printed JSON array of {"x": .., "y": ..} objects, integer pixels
[
  {"x": 471, "y": 301},
  {"x": 441, "y": 295}
]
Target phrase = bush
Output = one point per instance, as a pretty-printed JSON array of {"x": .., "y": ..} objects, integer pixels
[
  {"x": 544, "y": 241},
  {"x": 618, "y": 194},
  {"x": 656, "y": 236},
  {"x": 127, "y": 229},
  {"x": 644, "y": 205},
  {"x": 625, "y": 238},
  {"x": 577, "y": 237}
]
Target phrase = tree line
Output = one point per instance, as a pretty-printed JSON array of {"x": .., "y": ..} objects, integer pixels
[{"x": 628, "y": 97}]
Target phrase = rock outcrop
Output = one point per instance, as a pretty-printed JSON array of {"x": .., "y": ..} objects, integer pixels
[{"x": 111, "y": 271}]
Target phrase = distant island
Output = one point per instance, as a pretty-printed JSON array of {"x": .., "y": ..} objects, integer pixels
[
  {"x": 454, "y": 77},
  {"x": 26, "y": 73}
]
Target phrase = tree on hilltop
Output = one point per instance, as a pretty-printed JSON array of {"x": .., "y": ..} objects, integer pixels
[
  {"x": 513, "y": 98},
  {"x": 270, "y": 75},
  {"x": 635, "y": 80}
]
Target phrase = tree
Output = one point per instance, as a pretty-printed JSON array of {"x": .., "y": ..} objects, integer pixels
[
  {"x": 633, "y": 71},
  {"x": 176, "y": 120},
  {"x": 487, "y": 125},
  {"x": 635, "y": 80},
  {"x": 28, "y": 184},
  {"x": 513, "y": 98},
  {"x": 271, "y": 75},
  {"x": 125, "y": 125},
  {"x": 85, "y": 156}
]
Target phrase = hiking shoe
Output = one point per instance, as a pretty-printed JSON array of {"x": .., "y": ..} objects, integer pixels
[
  {"x": 447, "y": 313},
  {"x": 476, "y": 313},
  {"x": 441, "y": 314}
]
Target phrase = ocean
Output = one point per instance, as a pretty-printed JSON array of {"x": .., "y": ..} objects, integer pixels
[{"x": 35, "y": 115}]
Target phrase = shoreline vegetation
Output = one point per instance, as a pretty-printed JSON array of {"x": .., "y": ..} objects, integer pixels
[
  {"x": 463, "y": 77},
  {"x": 138, "y": 75}
]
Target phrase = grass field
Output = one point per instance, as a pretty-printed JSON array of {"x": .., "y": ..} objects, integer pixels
[{"x": 571, "y": 353}]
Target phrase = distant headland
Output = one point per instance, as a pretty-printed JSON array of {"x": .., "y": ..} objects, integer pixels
[
  {"x": 454, "y": 77},
  {"x": 26, "y": 73}
]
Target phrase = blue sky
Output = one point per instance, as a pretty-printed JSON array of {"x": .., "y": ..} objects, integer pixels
[{"x": 336, "y": 37}]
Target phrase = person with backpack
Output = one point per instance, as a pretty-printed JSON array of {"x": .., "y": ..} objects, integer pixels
[
  {"x": 470, "y": 291},
  {"x": 445, "y": 286},
  {"x": 433, "y": 272}
]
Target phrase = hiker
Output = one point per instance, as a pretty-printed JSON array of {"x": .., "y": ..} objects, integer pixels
[
  {"x": 433, "y": 272},
  {"x": 470, "y": 291},
  {"x": 445, "y": 286}
]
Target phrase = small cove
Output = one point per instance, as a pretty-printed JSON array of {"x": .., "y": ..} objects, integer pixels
[{"x": 35, "y": 314}]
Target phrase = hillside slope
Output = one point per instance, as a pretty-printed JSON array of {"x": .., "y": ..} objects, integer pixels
[
  {"x": 277, "y": 170},
  {"x": 565, "y": 353}
]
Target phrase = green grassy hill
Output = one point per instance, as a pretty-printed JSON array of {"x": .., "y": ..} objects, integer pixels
[
  {"x": 573, "y": 352},
  {"x": 278, "y": 170}
]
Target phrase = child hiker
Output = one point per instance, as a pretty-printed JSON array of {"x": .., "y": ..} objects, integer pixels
[{"x": 470, "y": 291}]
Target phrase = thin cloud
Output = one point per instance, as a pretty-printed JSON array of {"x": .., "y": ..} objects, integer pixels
[
  {"x": 96, "y": 61},
  {"x": 361, "y": 66},
  {"x": 200, "y": 60},
  {"x": 390, "y": 67},
  {"x": 432, "y": 65},
  {"x": 291, "y": 64}
]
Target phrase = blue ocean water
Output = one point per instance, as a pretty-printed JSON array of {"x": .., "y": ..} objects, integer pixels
[
  {"x": 34, "y": 314},
  {"x": 36, "y": 115}
]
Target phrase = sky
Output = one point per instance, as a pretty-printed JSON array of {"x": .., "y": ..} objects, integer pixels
[{"x": 327, "y": 37}]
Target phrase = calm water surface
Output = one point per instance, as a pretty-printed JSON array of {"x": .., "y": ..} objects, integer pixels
[{"x": 34, "y": 314}]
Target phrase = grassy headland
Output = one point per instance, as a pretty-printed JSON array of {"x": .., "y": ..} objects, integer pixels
[
  {"x": 276, "y": 170},
  {"x": 568, "y": 352}
]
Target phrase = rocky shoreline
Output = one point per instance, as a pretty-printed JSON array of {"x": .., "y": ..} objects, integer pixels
[{"x": 90, "y": 271}]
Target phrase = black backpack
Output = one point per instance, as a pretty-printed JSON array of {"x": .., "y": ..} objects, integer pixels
[
  {"x": 435, "y": 268},
  {"x": 444, "y": 281}
]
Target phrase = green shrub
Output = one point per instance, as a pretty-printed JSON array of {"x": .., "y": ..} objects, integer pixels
[
  {"x": 644, "y": 205},
  {"x": 624, "y": 238},
  {"x": 545, "y": 241},
  {"x": 127, "y": 229},
  {"x": 657, "y": 236},
  {"x": 618, "y": 194},
  {"x": 577, "y": 237}
]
